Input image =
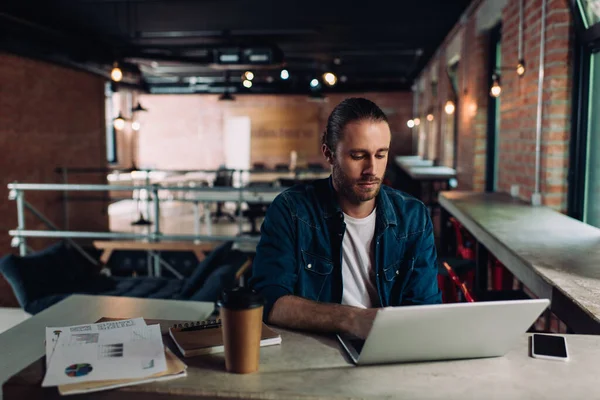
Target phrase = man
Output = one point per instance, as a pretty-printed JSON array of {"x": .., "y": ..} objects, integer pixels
[{"x": 333, "y": 251}]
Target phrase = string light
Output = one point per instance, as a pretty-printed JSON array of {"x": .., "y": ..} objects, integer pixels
[
  {"x": 521, "y": 68},
  {"x": 449, "y": 107},
  {"x": 496, "y": 89},
  {"x": 330, "y": 78},
  {"x": 116, "y": 74},
  {"x": 410, "y": 123},
  {"x": 119, "y": 122},
  {"x": 429, "y": 117},
  {"x": 417, "y": 121}
]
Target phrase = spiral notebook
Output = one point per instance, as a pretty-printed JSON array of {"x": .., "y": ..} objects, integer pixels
[{"x": 206, "y": 337}]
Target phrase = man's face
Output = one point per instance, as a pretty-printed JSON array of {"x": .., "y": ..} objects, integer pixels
[{"x": 360, "y": 159}]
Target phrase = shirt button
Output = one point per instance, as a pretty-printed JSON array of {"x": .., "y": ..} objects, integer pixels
[{"x": 309, "y": 266}]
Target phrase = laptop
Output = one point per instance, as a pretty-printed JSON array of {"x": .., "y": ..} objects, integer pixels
[{"x": 444, "y": 331}]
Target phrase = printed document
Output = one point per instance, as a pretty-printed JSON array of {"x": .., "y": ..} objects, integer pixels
[{"x": 126, "y": 349}]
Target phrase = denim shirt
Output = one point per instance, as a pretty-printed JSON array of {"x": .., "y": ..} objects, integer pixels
[{"x": 300, "y": 249}]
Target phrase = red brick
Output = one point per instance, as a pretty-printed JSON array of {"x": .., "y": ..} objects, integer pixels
[{"x": 51, "y": 117}]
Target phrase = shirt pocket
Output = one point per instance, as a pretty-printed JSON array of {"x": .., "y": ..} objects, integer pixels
[
  {"x": 316, "y": 271},
  {"x": 395, "y": 278}
]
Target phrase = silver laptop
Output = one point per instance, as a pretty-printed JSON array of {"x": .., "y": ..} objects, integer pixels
[{"x": 444, "y": 331}]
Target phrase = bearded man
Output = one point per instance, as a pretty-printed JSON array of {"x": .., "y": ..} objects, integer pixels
[{"x": 335, "y": 250}]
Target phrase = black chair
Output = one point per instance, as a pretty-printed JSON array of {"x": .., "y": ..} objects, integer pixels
[
  {"x": 259, "y": 166},
  {"x": 282, "y": 167},
  {"x": 224, "y": 178}
]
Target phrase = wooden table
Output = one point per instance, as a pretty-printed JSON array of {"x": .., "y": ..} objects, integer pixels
[
  {"x": 108, "y": 247},
  {"x": 555, "y": 256},
  {"x": 306, "y": 366}
]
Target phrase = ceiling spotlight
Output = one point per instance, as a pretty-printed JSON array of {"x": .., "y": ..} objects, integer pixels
[
  {"x": 284, "y": 74},
  {"x": 314, "y": 83},
  {"x": 449, "y": 107},
  {"x": 135, "y": 125},
  {"x": 119, "y": 122},
  {"x": 330, "y": 78},
  {"x": 521, "y": 68},
  {"x": 116, "y": 74},
  {"x": 247, "y": 84},
  {"x": 248, "y": 75},
  {"x": 343, "y": 78},
  {"x": 270, "y": 79},
  {"x": 429, "y": 117},
  {"x": 337, "y": 61},
  {"x": 496, "y": 89},
  {"x": 417, "y": 121},
  {"x": 410, "y": 123}
]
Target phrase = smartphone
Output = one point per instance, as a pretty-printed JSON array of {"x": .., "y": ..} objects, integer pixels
[{"x": 549, "y": 347}]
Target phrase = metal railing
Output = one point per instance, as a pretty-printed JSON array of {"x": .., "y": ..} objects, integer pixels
[{"x": 197, "y": 195}]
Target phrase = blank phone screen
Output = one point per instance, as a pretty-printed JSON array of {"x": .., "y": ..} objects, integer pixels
[{"x": 546, "y": 345}]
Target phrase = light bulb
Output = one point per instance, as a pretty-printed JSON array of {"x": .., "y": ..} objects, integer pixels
[
  {"x": 410, "y": 123},
  {"x": 135, "y": 125},
  {"x": 247, "y": 84},
  {"x": 417, "y": 121},
  {"x": 314, "y": 83},
  {"x": 521, "y": 68},
  {"x": 330, "y": 78},
  {"x": 116, "y": 74},
  {"x": 249, "y": 75},
  {"x": 284, "y": 74},
  {"x": 429, "y": 117},
  {"x": 496, "y": 89},
  {"x": 449, "y": 107},
  {"x": 119, "y": 123}
]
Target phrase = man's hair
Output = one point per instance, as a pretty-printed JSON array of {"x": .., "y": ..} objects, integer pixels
[{"x": 352, "y": 109}]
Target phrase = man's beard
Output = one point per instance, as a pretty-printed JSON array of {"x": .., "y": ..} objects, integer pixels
[{"x": 349, "y": 188}]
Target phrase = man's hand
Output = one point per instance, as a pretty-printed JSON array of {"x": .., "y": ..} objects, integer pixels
[
  {"x": 362, "y": 321},
  {"x": 299, "y": 313}
]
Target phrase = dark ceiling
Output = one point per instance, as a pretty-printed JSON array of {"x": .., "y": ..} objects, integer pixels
[{"x": 175, "y": 46}]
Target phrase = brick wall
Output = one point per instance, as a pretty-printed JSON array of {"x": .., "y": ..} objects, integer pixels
[
  {"x": 50, "y": 116},
  {"x": 517, "y": 125},
  {"x": 186, "y": 131},
  {"x": 519, "y": 103}
]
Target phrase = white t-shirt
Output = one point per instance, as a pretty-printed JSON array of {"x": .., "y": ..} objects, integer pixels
[{"x": 358, "y": 262}]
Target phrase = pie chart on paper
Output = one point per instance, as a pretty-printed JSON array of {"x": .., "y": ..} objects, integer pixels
[{"x": 77, "y": 370}]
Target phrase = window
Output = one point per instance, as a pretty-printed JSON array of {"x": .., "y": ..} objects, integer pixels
[
  {"x": 591, "y": 205},
  {"x": 590, "y": 12},
  {"x": 450, "y": 120},
  {"x": 111, "y": 135},
  {"x": 584, "y": 168}
]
